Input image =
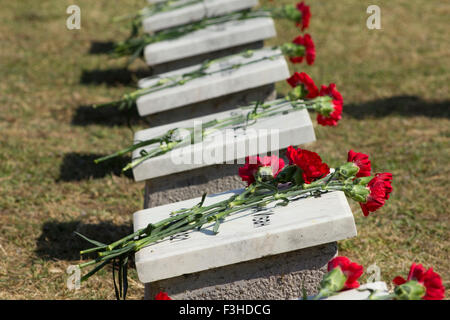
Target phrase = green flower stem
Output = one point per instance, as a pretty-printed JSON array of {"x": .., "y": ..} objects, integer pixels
[
  {"x": 135, "y": 46},
  {"x": 167, "y": 144},
  {"x": 171, "y": 82},
  {"x": 195, "y": 217},
  {"x": 324, "y": 293},
  {"x": 130, "y": 149},
  {"x": 264, "y": 11}
]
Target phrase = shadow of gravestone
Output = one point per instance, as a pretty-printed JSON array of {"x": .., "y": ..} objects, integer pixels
[
  {"x": 81, "y": 166},
  {"x": 58, "y": 241}
]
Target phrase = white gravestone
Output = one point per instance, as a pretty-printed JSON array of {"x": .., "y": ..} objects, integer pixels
[
  {"x": 210, "y": 39},
  {"x": 244, "y": 237},
  {"x": 227, "y": 145},
  {"x": 212, "y": 165},
  {"x": 261, "y": 70},
  {"x": 184, "y": 14}
]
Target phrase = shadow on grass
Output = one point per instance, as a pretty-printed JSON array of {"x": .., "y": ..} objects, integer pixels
[
  {"x": 79, "y": 166},
  {"x": 101, "y": 47},
  {"x": 107, "y": 116},
  {"x": 58, "y": 240},
  {"x": 114, "y": 76},
  {"x": 407, "y": 106}
]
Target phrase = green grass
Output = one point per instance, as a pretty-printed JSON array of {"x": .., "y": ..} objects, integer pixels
[{"x": 395, "y": 84}]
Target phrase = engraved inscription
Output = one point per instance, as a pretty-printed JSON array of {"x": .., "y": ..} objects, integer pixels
[
  {"x": 262, "y": 218},
  {"x": 179, "y": 237}
]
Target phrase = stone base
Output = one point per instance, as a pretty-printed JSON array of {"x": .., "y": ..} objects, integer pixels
[
  {"x": 191, "y": 184},
  {"x": 223, "y": 103},
  {"x": 199, "y": 59},
  {"x": 277, "y": 277}
]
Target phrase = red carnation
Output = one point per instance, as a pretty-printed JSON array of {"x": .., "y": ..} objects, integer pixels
[
  {"x": 351, "y": 270},
  {"x": 252, "y": 164},
  {"x": 338, "y": 103},
  {"x": 362, "y": 161},
  {"x": 162, "y": 296},
  {"x": 380, "y": 187},
  {"x": 306, "y": 14},
  {"x": 310, "y": 162},
  {"x": 305, "y": 80},
  {"x": 428, "y": 278},
  {"x": 310, "y": 49}
]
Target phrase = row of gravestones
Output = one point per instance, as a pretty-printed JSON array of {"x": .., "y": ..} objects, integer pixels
[{"x": 271, "y": 254}]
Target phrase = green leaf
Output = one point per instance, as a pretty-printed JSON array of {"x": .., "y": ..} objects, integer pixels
[
  {"x": 298, "y": 177},
  {"x": 97, "y": 243},
  {"x": 200, "y": 204},
  {"x": 94, "y": 271},
  {"x": 216, "y": 226}
]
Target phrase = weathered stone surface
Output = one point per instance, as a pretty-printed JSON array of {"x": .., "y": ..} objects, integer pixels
[
  {"x": 222, "y": 80},
  {"x": 243, "y": 236},
  {"x": 212, "y": 38},
  {"x": 193, "y": 12}
]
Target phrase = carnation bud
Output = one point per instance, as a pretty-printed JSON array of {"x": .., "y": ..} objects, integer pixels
[
  {"x": 287, "y": 174},
  {"x": 292, "y": 13},
  {"x": 331, "y": 283},
  {"x": 357, "y": 192},
  {"x": 297, "y": 93},
  {"x": 363, "y": 181},
  {"x": 292, "y": 50},
  {"x": 348, "y": 170},
  {"x": 334, "y": 280},
  {"x": 411, "y": 290},
  {"x": 323, "y": 105},
  {"x": 264, "y": 174}
]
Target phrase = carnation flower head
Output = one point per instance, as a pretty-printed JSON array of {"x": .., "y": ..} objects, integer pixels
[
  {"x": 309, "y": 162},
  {"x": 308, "y": 88},
  {"x": 306, "y": 15},
  {"x": 309, "y": 51},
  {"x": 253, "y": 163},
  {"x": 362, "y": 161},
  {"x": 434, "y": 290},
  {"x": 300, "y": 13},
  {"x": 337, "y": 103},
  {"x": 162, "y": 296},
  {"x": 351, "y": 270},
  {"x": 380, "y": 188}
]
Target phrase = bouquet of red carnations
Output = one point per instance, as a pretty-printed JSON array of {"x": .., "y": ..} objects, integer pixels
[
  {"x": 135, "y": 44},
  {"x": 269, "y": 180},
  {"x": 343, "y": 275},
  {"x": 327, "y": 103}
]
